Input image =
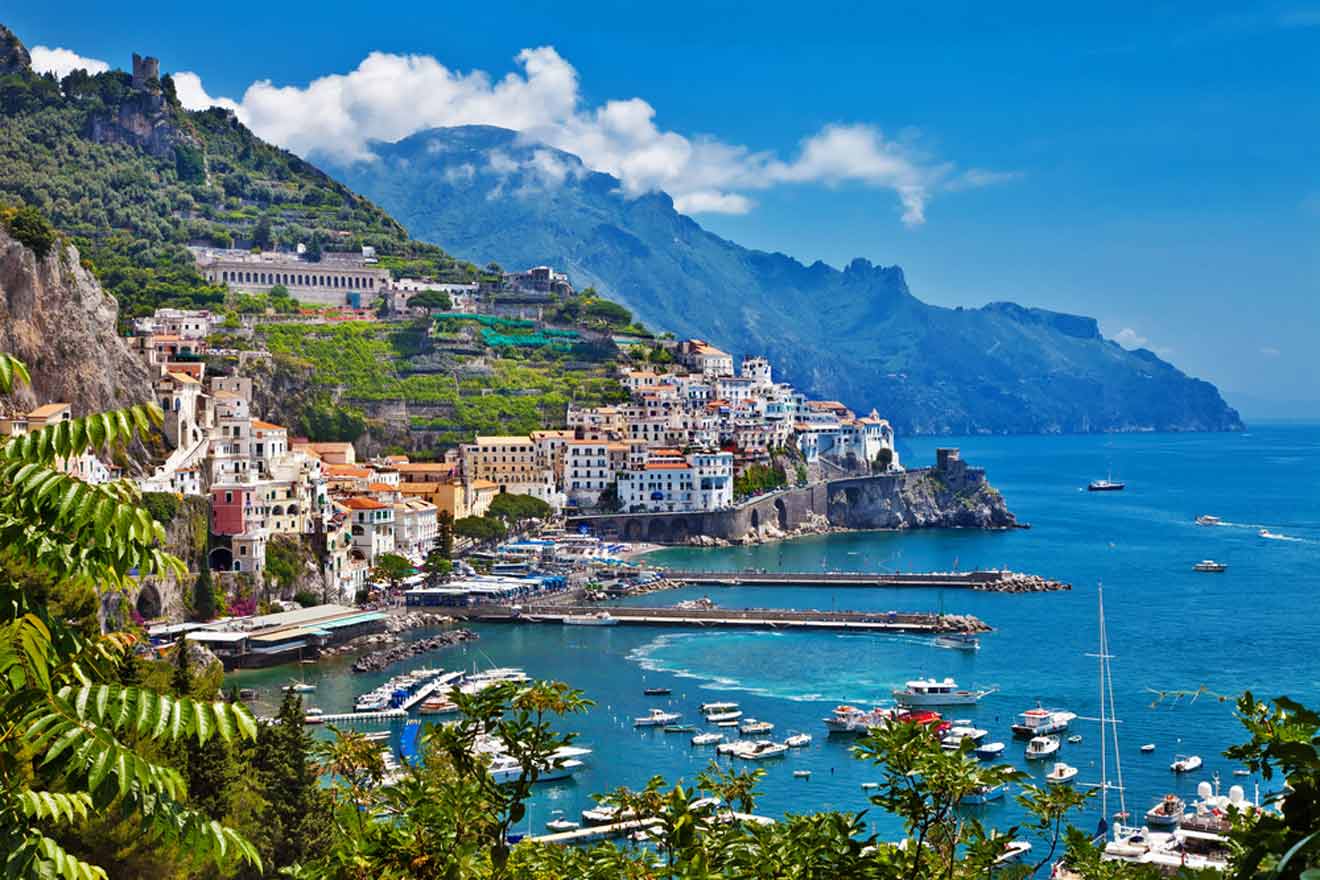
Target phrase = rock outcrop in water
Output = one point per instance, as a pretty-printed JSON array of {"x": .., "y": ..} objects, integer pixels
[{"x": 378, "y": 660}]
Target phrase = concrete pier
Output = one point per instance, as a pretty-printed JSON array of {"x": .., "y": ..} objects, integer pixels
[
  {"x": 744, "y": 618},
  {"x": 988, "y": 581}
]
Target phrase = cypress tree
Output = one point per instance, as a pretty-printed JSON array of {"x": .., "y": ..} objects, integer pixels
[
  {"x": 445, "y": 534},
  {"x": 204, "y": 593},
  {"x": 297, "y": 804}
]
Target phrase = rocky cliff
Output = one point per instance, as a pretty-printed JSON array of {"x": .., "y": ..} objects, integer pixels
[
  {"x": 55, "y": 317},
  {"x": 918, "y": 499}
]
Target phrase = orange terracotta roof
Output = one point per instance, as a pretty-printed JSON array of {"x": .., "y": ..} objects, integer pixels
[
  {"x": 46, "y": 410},
  {"x": 359, "y": 503},
  {"x": 666, "y": 465},
  {"x": 347, "y": 470},
  {"x": 381, "y": 487},
  {"x": 267, "y": 426}
]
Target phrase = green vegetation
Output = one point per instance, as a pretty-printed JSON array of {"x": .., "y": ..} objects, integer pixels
[
  {"x": 116, "y": 766},
  {"x": 391, "y": 568},
  {"x": 883, "y": 459},
  {"x": 516, "y": 509},
  {"x": 79, "y": 746},
  {"x": 435, "y": 300},
  {"x": 758, "y": 478},
  {"x": 480, "y": 528},
  {"x": 163, "y": 506},
  {"x": 366, "y": 361},
  {"x": 132, "y": 214},
  {"x": 29, "y": 226},
  {"x": 203, "y": 600},
  {"x": 284, "y": 561}
]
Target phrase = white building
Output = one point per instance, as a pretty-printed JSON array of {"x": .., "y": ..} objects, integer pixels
[
  {"x": 671, "y": 482},
  {"x": 586, "y": 471}
]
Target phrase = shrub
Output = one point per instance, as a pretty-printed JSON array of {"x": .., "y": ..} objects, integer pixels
[
  {"x": 163, "y": 506},
  {"x": 306, "y": 598},
  {"x": 30, "y": 226}
]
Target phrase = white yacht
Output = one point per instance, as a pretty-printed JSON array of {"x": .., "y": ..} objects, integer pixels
[
  {"x": 1041, "y": 722},
  {"x": 1042, "y": 747},
  {"x": 657, "y": 718},
  {"x": 505, "y": 768},
  {"x": 1061, "y": 774},
  {"x": 561, "y": 824},
  {"x": 752, "y": 726},
  {"x": 925, "y": 692},
  {"x": 850, "y": 719}
]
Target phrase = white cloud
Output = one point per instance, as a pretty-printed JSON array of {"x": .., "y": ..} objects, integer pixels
[
  {"x": 1270, "y": 351},
  {"x": 1130, "y": 339},
  {"x": 188, "y": 86},
  {"x": 61, "y": 62},
  {"x": 388, "y": 97}
]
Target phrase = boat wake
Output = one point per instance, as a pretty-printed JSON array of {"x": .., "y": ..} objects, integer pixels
[
  {"x": 1275, "y": 536},
  {"x": 652, "y": 657}
]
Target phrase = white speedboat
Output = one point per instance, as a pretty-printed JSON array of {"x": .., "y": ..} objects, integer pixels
[
  {"x": 760, "y": 750},
  {"x": 752, "y": 726},
  {"x": 299, "y": 687},
  {"x": 1042, "y": 747},
  {"x": 716, "y": 708},
  {"x": 657, "y": 718},
  {"x": 717, "y": 717},
  {"x": 1061, "y": 774},
  {"x": 1206, "y": 519},
  {"x": 965, "y": 731},
  {"x": 989, "y": 751},
  {"x": 958, "y": 641},
  {"x": 561, "y": 825},
  {"x": 729, "y": 748},
  {"x": 1106, "y": 485},
  {"x": 1075, "y": 739},
  {"x": 1013, "y": 852},
  {"x": 600, "y": 618},
  {"x": 802, "y": 774},
  {"x": 1041, "y": 722},
  {"x": 1167, "y": 812},
  {"x": 798, "y": 741},
  {"x": 1185, "y": 763},
  {"x": 707, "y": 739},
  {"x": 1148, "y": 748},
  {"x": 1209, "y": 565},
  {"x": 933, "y": 692},
  {"x": 983, "y": 795},
  {"x": 732, "y": 722},
  {"x": 606, "y": 815}
]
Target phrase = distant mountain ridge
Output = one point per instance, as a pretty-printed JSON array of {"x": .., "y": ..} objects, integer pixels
[{"x": 856, "y": 334}]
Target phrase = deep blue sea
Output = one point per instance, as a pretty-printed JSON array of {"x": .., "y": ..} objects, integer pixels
[{"x": 1171, "y": 630}]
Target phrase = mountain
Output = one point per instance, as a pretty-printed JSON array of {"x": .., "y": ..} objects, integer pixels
[{"x": 858, "y": 335}]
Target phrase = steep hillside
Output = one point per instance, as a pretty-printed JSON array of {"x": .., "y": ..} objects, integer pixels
[
  {"x": 118, "y": 165},
  {"x": 856, "y": 334}
]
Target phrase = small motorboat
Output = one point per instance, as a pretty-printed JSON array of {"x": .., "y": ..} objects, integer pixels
[
  {"x": 798, "y": 741},
  {"x": 958, "y": 641},
  {"x": 1206, "y": 519},
  {"x": 760, "y": 750},
  {"x": 1061, "y": 774},
  {"x": 1075, "y": 738},
  {"x": 983, "y": 795},
  {"x": 1148, "y": 748},
  {"x": 870, "y": 786},
  {"x": 1242, "y": 771},
  {"x": 1041, "y": 747},
  {"x": 299, "y": 687},
  {"x": 990, "y": 750},
  {"x": 1209, "y": 565},
  {"x": 657, "y": 718},
  {"x": 561, "y": 824},
  {"x": 1013, "y": 851},
  {"x": 716, "y": 708},
  {"x": 802, "y": 774},
  {"x": 752, "y": 726},
  {"x": 1185, "y": 763},
  {"x": 717, "y": 717},
  {"x": 1167, "y": 812},
  {"x": 707, "y": 739},
  {"x": 679, "y": 728},
  {"x": 732, "y": 722},
  {"x": 657, "y": 692}
]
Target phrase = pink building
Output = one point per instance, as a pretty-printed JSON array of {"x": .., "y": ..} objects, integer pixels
[{"x": 231, "y": 509}]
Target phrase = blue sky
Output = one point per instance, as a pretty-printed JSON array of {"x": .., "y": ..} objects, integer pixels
[{"x": 1153, "y": 166}]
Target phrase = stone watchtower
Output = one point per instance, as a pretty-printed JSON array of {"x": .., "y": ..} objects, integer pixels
[{"x": 146, "y": 73}]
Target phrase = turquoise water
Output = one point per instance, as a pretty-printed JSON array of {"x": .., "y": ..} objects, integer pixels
[{"x": 1253, "y": 627}]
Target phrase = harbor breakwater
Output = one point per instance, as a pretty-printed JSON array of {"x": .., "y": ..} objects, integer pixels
[
  {"x": 951, "y": 494},
  {"x": 378, "y": 660}
]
